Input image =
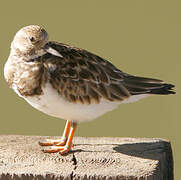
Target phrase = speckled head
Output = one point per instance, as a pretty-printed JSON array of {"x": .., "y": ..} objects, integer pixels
[{"x": 30, "y": 38}]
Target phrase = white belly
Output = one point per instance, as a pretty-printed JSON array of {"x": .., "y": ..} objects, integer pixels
[{"x": 53, "y": 104}]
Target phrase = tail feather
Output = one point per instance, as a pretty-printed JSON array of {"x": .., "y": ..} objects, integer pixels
[{"x": 140, "y": 85}]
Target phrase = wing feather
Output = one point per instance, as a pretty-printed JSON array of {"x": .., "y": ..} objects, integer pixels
[{"x": 81, "y": 76}]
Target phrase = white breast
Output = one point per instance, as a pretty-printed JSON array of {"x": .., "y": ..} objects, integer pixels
[{"x": 53, "y": 104}]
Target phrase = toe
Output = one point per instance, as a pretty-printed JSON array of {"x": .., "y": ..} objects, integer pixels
[
  {"x": 50, "y": 142},
  {"x": 52, "y": 149},
  {"x": 45, "y": 143},
  {"x": 61, "y": 143}
]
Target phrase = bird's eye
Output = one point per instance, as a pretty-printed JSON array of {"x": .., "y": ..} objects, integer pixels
[{"x": 32, "y": 39}]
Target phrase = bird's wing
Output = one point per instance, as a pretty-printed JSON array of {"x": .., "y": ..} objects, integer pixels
[{"x": 81, "y": 76}]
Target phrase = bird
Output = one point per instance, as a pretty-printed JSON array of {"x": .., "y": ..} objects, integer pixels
[{"x": 70, "y": 83}]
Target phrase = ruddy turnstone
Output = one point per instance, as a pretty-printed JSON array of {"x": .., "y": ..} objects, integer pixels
[{"x": 70, "y": 83}]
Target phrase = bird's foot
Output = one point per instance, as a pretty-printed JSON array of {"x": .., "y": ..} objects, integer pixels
[
  {"x": 52, "y": 142},
  {"x": 61, "y": 149}
]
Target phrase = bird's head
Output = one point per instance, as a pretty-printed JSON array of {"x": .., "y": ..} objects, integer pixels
[{"x": 30, "y": 40}]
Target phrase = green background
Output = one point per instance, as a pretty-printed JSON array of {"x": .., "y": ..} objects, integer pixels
[{"x": 140, "y": 37}]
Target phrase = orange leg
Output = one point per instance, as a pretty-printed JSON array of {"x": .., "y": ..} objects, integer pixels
[
  {"x": 66, "y": 148},
  {"x": 58, "y": 142}
]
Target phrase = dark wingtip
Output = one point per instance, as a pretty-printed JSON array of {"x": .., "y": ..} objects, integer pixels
[{"x": 166, "y": 89}]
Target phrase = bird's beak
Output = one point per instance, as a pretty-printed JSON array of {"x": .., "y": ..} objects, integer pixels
[{"x": 52, "y": 51}]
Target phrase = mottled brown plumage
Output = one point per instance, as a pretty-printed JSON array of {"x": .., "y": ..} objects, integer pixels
[
  {"x": 27, "y": 78},
  {"x": 83, "y": 77}
]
